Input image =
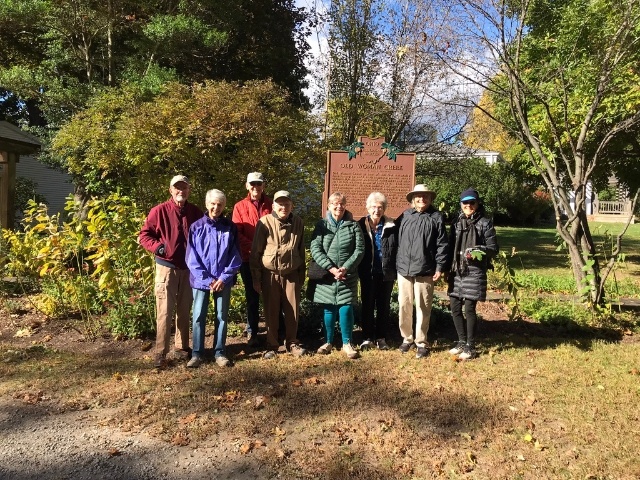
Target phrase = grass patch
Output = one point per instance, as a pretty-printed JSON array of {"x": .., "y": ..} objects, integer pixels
[
  {"x": 534, "y": 405},
  {"x": 541, "y": 268}
]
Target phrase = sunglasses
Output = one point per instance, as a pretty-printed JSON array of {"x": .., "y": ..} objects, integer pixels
[
  {"x": 255, "y": 184},
  {"x": 469, "y": 202}
]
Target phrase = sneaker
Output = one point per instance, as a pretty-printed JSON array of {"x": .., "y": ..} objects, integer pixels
[
  {"x": 252, "y": 341},
  {"x": 160, "y": 362},
  {"x": 366, "y": 345},
  {"x": 382, "y": 344},
  {"x": 405, "y": 347},
  {"x": 180, "y": 354},
  {"x": 223, "y": 361},
  {"x": 422, "y": 352},
  {"x": 269, "y": 355},
  {"x": 297, "y": 350},
  {"x": 468, "y": 353},
  {"x": 325, "y": 349},
  {"x": 195, "y": 362},
  {"x": 351, "y": 352},
  {"x": 458, "y": 348}
]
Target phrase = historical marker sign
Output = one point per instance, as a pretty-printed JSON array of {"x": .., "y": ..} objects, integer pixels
[{"x": 370, "y": 165}]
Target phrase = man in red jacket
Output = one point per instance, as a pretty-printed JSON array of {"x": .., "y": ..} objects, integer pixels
[
  {"x": 246, "y": 214},
  {"x": 165, "y": 234}
]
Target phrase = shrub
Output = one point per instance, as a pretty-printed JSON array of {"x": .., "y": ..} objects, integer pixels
[{"x": 86, "y": 266}]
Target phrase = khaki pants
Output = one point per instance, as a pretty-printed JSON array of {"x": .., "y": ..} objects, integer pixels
[
  {"x": 281, "y": 292},
  {"x": 420, "y": 289},
  {"x": 173, "y": 301}
]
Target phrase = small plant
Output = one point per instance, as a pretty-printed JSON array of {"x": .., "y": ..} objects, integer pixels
[
  {"x": 504, "y": 277},
  {"x": 10, "y": 305}
]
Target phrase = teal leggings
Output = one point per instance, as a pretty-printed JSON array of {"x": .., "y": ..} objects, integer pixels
[{"x": 345, "y": 316}]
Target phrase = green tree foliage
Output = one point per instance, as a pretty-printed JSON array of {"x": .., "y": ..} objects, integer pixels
[
  {"x": 564, "y": 78},
  {"x": 215, "y": 133},
  {"x": 61, "y": 54},
  {"x": 500, "y": 185}
]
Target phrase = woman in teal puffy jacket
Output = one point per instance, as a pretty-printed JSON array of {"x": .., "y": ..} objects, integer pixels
[{"x": 338, "y": 247}]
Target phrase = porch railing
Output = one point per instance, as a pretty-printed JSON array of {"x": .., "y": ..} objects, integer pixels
[{"x": 613, "y": 208}]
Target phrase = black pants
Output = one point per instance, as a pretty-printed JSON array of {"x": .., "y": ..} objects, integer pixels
[
  {"x": 252, "y": 297},
  {"x": 375, "y": 294},
  {"x": 467, "y": 336}
]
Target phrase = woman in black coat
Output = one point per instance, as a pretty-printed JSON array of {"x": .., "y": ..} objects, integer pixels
[
  {"x": 377, "y": 271},
  {"x": 473, "y": 244}
]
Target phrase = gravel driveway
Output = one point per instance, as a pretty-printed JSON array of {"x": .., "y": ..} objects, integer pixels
[{"x": 35, "y": 443}]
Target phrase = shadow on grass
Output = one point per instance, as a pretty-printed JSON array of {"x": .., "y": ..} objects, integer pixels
[
  {"x": 357, "y": 394},
  {"x": 524, "y": 334}
]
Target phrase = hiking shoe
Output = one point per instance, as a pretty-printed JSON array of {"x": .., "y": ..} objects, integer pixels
[
  {"x": 297, "y": 350},
  {"x": 195, "y": 362},
  {"x": 180, "y": 354},
  {"x": 366, "y": 345},
  {"x": 325, "y": 349},
  {"x": 351, "y": 352},
  {"x": 382, "y": 344},
  {"x": 422, "y": 352},
  {"x": 160, "y": 362},
  {"x": 405, "y": 347},
  {"x": 223, "y": 361},
  {"x": 253, "y": 341},
  {"x": 468, "y": 353},
  {"x": 458, "y": 348},
  {"x": 269, "y": 355}
]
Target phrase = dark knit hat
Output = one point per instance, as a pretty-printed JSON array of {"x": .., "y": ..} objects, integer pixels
[{"x": 469, "y": 194}]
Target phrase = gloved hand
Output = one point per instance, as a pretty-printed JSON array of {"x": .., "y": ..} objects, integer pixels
[{"x": 160, "y": 251}]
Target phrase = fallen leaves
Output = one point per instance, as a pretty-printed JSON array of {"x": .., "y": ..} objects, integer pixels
[
  {"x": 188, "y": 419},
  {"x": 308, "y": 381},
  {"x": 180, "y": 439},
  {"x": 32, "y": 398},
  {"x": 259, "y": 402},
  {"x": 528, "y": 437},
  {"x": 248, "y": 447},
  {"x": 114, "y": 452},
  {"x": 24, "y": 332}
]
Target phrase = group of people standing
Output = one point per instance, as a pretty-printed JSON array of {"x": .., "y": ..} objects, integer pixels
[{"x": 199, "y": 254}]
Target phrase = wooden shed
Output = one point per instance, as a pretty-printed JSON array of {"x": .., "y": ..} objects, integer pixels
[{"x": 13, "y": 143}]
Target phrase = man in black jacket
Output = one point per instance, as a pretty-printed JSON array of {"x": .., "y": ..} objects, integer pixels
[{"x": 421, "y": 260}]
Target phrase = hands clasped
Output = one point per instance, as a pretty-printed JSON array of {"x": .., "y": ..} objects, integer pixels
[{"x": 339, "y": 273}]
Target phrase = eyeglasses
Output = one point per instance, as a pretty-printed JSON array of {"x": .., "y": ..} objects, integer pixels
[
  {"x": 469, "y": 202},
  {"x": 255, "y": 184}
]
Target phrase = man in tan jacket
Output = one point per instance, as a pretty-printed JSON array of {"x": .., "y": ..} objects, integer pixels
[{"x": 278, "y": 271}]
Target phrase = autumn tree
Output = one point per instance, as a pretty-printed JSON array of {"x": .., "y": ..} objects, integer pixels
[
  {"x": 215, "y": 133},
  {"x": 483, "y": 132},
  {"x": 564, "y": 78},
  {"x": 387, "y": 52}
]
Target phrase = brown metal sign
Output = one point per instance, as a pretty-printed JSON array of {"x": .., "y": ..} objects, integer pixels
[{"x": 370, "y": 165}]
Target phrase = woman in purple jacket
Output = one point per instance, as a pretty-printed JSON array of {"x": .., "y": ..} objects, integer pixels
[{"x": 213, "y": 258}]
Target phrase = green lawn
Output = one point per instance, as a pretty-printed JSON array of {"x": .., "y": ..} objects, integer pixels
[{"x": 540, "y": 266}]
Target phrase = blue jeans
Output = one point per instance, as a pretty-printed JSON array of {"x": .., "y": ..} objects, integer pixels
[
  {"x": 200, "y": 306},
  {"x": 345, "y": 317},
  {"x": 253, "y": 299}
]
